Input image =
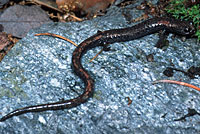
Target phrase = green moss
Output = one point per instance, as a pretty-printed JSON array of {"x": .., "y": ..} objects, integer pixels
[
  {"x": 16, "y": 90},
  {"x": 97, "y": 95},
  {"x": 179, "y": 9},
  {"x": 5, "y": 92}
]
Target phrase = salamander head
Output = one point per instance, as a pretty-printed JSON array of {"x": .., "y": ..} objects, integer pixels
[
  {"x": 186, "y": 28},
  {"x": 177, "y": 26}
]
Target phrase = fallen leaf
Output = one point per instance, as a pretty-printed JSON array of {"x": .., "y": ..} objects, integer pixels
[{"x": 88, "y": 7}]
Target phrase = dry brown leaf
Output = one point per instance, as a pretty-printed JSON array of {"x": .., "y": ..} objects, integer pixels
[{"x": 88, "y": 7}]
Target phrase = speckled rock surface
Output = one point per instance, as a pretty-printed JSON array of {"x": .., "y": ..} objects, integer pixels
[{"x": 38, "y": 70}]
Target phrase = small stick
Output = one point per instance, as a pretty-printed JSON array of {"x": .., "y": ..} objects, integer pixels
[
  {"x": 61, "y": 37},
  {"x": 58, "y": 36},
  {"x": 76, "y": 18},
  {"x": 96, "y": 55},
  {"x": 177, "y": 82}
]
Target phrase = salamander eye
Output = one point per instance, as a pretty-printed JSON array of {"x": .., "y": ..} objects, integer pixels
[{"x": 187, "y": 30}]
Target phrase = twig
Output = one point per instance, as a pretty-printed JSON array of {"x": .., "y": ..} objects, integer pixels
[
  {"x": 61, "y": 37},
  {"x": 177, "y": 82},
  {"x": 58, "y": 36},
  {"x": 96, "y": 55}
]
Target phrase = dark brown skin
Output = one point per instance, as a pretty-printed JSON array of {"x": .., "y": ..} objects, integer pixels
[{"x": 102, "y": 39}]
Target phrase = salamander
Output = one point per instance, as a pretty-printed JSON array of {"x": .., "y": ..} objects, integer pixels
[{"x": 104, "y": 38}]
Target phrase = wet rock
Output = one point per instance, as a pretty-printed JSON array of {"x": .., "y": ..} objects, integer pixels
[{"x": 38, "y": 70}]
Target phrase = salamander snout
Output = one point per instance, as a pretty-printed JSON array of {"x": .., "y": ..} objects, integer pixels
[{"x": 189, "y": 29}]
